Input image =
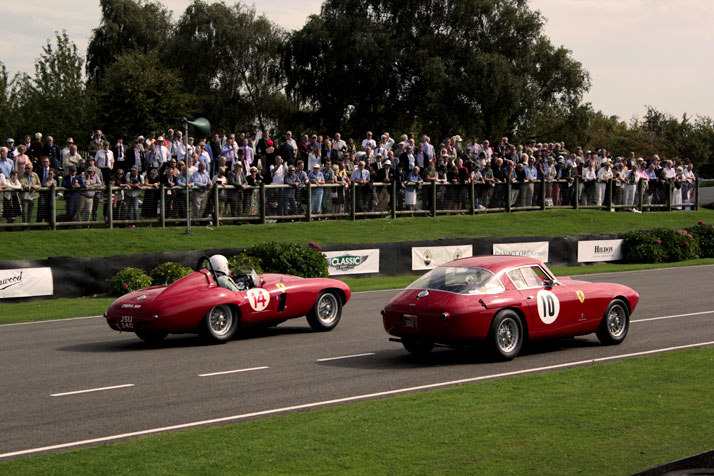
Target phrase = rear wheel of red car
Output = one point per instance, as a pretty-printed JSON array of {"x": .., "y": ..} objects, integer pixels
[
  {"x": 506, "y": 334},
  {"x": 326, "y": 312},
  {"x": 615, "y": 323},
  {"x": 417, "y": 345},
  {"x": 219, "y": 324},
  {"x": 152, "y": 337}
]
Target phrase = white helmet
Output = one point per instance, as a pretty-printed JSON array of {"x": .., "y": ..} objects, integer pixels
[{"x": 219, "y": 263}]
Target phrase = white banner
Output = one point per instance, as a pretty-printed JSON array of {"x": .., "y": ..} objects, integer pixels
[
  {"x": 599, "y": 250},
  {"x": 429, "y": 257},
  {"x": 534, "y": 249},
  {"x": 352, "y": 261},
  {"x": 15, "y": 283}
]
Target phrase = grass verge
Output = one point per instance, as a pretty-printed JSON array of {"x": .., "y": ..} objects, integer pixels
[
  {"x": 613, "y": 418},
  {"x": 152, "y": 240}
]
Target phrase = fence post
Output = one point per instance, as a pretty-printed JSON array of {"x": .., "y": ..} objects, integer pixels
[
  {"x": 216, "y": 204},
  {"x": 473, "y": 198},
  {"x": 639, "y": 195},
  {"x": 433, "y": 198},
  {"x": 696, "y": 191},
  {"x": 393, "y": 210},
  {"x": 308, "y": 191},
  {"x": 262, "y": 204},
  {"x": 542, "y": 192},
  {"x": 576, "y": 205},
  {"x": 507, "y": 201},
  {"x": 669, "y": 194},
  {"x": 609, "y": 194},
  {"x": 162, "y": 205},
  {"x": 110, "y": 207},
  {"x": 353, "y": 199}
]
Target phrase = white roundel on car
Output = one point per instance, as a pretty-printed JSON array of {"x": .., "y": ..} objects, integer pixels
[
  {"x": 258, "y": 298},
  {"x": 548, "y": 306}
]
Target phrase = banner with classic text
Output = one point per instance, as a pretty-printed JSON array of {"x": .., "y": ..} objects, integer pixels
[
  {"x": 599, "y": 250},
  {"x": 352, "y": 261},
  {"x": 429, "y": 257},
  {"x": 26, "y": 282},
  {"x": 534, "y": 249}
]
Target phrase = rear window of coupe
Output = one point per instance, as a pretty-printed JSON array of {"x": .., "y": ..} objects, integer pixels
[{"x": 460, "y": 280}]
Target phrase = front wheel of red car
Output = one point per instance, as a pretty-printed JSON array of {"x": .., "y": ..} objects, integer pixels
[
  {"x": 219, "y": 324},
  {"x": 506, "y": 335},
  {"x": 151, "y": 337},
  {"x": 326, "y": 312},
  {"x": 615, "y": 323}
]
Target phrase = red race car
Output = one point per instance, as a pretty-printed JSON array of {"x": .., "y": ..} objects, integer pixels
[
  {"x": 197, "y": 304},
  {"x": 504, "y": 301}
]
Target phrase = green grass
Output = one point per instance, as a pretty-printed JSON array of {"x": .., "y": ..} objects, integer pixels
[
  {"x": 615, "y": 418},
  {"x": 105, "y": 242}
]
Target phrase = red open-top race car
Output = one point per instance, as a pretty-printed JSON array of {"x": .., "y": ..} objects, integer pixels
[
  {"x": 504, "y": 301},
  {"x": 196, "y": 304}
]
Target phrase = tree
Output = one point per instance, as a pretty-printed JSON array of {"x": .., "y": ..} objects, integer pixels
[
  {"x": 54, "y": 101},
  {"x": 5, "y": 102},
  {"x": 139, "y": 95},
  {"x": 232, "y": 60},
  {"x": 473, "y": 66},
  {"x": 126, "y": 26}
]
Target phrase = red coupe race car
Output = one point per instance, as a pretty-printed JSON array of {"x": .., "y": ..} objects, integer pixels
[
  {"x": 196, "y": 304},
  {"x": 504, "y": 301}
]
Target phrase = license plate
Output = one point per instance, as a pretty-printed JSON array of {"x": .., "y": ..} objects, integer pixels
[
  {"x": 410, "y": 321},
  {"x": 127, "y": 322}
]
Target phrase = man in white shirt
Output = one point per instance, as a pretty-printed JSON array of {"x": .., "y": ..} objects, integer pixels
[
  {"x": 104, "y": 159},
  {"x": 369, "y": 142}
]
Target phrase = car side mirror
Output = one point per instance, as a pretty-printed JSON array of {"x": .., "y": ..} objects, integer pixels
[{"x": 549, "y": 283}]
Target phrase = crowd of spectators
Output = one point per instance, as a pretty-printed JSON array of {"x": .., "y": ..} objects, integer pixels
[{"x": 330, "y": 165}]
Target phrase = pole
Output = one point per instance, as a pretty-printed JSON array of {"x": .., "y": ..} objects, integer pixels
[{"x": 188, "y": 202}]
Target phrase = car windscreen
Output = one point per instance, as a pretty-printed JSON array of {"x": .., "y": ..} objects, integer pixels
[{"x": 459, "y": 279}]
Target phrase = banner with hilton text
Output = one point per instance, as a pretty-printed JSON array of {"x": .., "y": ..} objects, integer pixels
[
  {"x": 352, "y": 261},
  {"x": 429, "y": 257},
  {"x": 533, "y": 249},
  {"x": 26, "y": 282}
]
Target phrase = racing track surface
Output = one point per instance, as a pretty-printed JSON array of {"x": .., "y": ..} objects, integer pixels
[{"x": 185, "y": 382}]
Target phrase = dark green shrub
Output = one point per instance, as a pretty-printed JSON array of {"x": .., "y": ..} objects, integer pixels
[
  {"x": 641, "y": 247},
  {"x": 241, "y": 263},
  {"x": 167, "y": 273},
  {"x": 129, "y": 279},
  {"x": 704, "y": 234},
  {"x": 290, "y": 258},
  {"x": 677, "y": 245}
]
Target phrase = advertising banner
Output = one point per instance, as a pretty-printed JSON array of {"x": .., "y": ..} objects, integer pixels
[
  {"x": 534, "y": 249},
  {"x": 26, "y": 282},
  {"x": 599, "y": 250},
  {"x": 429, "y": 257},
  {"x": 352, "y": 261}
]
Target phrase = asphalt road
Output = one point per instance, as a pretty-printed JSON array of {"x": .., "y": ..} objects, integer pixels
[{"x": 183, "y": 382}]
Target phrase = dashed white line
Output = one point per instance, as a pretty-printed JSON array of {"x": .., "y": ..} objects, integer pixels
[
  {"x": 100, "y": 389},
  {"x": 306, "y": 406},
  {"x": 225, "y": 372},
  {"x": 345, "y": 357},
  {"x": 690, "y": 314}
]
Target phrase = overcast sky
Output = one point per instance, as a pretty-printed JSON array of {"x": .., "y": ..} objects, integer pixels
[{"x": 639, "y": 52}]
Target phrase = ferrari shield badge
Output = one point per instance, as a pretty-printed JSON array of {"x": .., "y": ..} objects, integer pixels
[{"x": 581, "y": 296}]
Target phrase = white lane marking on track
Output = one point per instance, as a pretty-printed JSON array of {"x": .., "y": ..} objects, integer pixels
[
  {"x": 690, "y": 314},
  {"x": 50, "y": 320},
  {"x": 306, "y": 406},
  {"x": 345, "y": 357},
  {"x": 225, "y": 372},
  {"x": 100, "y": 389}
]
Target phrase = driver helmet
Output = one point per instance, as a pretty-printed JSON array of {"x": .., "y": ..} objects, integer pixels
[{"x": 219, "y": 263}]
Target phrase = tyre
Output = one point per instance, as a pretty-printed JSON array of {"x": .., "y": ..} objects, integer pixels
[
  {"x": 506, "y": 335},
  {"x": 219, "y": 324},
  {"x": 326, "y": 312},
  {"x": 152, "y": 337},
  {"x": 615, "y": 323},
  {"x": 417, "y": 345}
]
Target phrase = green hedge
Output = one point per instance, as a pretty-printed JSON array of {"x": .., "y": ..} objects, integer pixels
[
  {"x": 666, "y": 245},
  {"x": 128, "y": 280},
  {"x": 167, "y": 273},
  {"x": 290, "y": 258}
]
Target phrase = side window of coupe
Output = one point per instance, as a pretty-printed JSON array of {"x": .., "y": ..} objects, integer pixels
[{"x": 528, "y": 277}]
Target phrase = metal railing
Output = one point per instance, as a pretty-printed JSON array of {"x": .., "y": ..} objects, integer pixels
[{"x": 112, "y": 206}]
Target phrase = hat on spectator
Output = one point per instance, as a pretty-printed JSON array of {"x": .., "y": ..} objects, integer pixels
[
  {"x": 38, "y": 135},
  {"x": 10, "y": 140},
  {"x": 135, "y": 167},
  {"x": 254, "y": 168},
  {"x": 457, "y": 138},
  {"x": 160, "y": 138},
  {"x": 140, "y": 137},
  {"x": 92, "y": 169},
  {"x": 71, "y": 168},
  {"x": 316, "y": 166},
  {"x": 378, "y": 155},
  {"x": 387, "y": 162},
  {"x": 70, "y": 140}
]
